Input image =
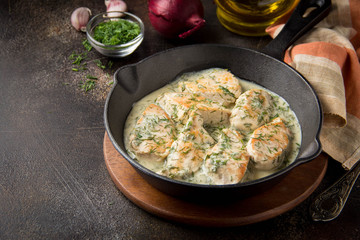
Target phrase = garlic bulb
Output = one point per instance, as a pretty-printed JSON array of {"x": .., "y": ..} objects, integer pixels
[
  {"x": 80, "y": 17},
  {"x": 115, "y": 5}
]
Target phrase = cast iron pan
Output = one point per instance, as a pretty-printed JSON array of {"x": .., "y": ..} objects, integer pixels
[{"x": 132, "y": 82}]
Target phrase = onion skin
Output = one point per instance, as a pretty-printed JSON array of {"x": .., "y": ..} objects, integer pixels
[
  {"x": 176, "y": 18},
  {"x": 80, "y": 17}
]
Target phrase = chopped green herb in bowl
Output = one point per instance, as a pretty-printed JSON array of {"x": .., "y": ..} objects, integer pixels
[
  {"x": 115, "y": 36},
  {"x": 116, "y": 32}
]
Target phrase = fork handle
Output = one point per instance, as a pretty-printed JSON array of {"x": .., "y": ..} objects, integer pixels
[{"x": 329, "y": 204}]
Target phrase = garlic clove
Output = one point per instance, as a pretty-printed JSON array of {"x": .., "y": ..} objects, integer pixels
[
  {"x": 80, "y": 17},
  {"x": 107, "y": 2},
  {"x": 115, "y": 6}
]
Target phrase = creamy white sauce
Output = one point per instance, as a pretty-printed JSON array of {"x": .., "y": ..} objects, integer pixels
[{"x": 283, "y": 111}]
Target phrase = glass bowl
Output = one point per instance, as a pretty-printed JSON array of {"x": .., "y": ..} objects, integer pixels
[{"x": 120, "y": 50}]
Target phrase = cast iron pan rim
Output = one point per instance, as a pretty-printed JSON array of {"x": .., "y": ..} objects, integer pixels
[{"x": 141, "y": 168}]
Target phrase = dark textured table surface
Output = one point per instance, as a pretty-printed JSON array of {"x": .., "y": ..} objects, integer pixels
[{"x": 53, "y": 180}]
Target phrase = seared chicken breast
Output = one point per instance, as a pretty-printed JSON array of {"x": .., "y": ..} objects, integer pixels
[
  {"x": 220, "y": 86},
  {"x": 180, "y": 105},
  {"x": 252, "y": 109},
  {"x": 268, "y": 144},
  {"x": 189, "y": 150},
  {"x": 202, "y": 129},
  {"x": 227, "y": 161},
  {"x": 153, "y": 134}
]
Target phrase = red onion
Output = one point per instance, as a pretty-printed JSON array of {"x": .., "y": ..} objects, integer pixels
[{"x": 176, "y": 18}]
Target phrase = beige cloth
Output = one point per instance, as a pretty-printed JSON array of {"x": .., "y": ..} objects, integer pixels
[{"x": 328, "y": 57}]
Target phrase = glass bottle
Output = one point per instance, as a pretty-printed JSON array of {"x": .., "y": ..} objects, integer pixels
[{"x": 252, "y": 17}]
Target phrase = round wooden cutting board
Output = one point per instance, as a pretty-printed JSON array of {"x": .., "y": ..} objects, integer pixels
[{"x": 291, "y": 191}]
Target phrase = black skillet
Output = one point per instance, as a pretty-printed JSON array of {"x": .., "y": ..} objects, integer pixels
[{"x": 265, "y": 68}]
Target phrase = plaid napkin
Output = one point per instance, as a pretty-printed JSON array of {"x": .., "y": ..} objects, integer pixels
[{"x": 328, "y": 57}]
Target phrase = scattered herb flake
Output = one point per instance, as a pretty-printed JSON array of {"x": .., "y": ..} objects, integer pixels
[
  {"x": 87, "y": 85},
  {"x": 87, "y": 45},
  {"x": 110, "y": 64},
  {"x": 78, "y": 58},
  {"x": 99, "y": 64},
  {"x": 83, "y": 67}
]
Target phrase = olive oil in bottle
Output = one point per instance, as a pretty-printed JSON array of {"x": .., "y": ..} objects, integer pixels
[{"x": 252, "y": 17}]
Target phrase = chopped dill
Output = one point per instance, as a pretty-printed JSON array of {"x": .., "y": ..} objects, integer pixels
[
  {"x": 116, "y": 32},
  {"x": 87, "y": 85},
  {"x": 78, "y": 58},
  {"x": 86, "y": 45},
  {"x": 99, "y": 64}
]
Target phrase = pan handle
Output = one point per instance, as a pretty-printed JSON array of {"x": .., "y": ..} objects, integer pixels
[
  {"x": 305, "y": 16},
  {"x": 127, "y": 78},
  {"x": 312, "y": 151}
]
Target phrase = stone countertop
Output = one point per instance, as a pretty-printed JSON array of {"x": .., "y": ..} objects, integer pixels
[{"x": 53, "y": 180}]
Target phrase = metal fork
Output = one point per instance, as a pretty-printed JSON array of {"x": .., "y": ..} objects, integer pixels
[{"x": 329, "y": 204}]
